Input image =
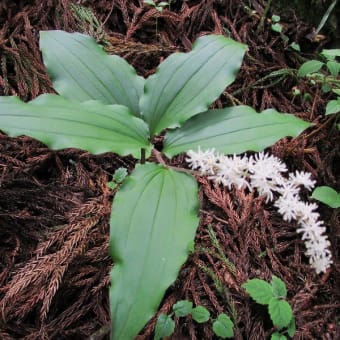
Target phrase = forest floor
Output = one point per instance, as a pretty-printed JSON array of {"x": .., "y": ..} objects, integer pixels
[{"x": 55, "y": 205}]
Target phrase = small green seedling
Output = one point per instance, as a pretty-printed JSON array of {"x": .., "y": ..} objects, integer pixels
[
  {"x": 276, "y": 26},
  {"x": 273, "y": 295},
  {"x": 327, "y": 195},
  {"x": 159, "y": 6},
  {"x": 222, "y": 326},
  {"x": 117, "y": 178}
]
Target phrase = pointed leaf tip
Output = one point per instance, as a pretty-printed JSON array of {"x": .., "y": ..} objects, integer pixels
[{"x": 232, "y": 130}]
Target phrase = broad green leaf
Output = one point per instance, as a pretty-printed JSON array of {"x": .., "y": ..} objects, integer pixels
[
  {"x": 165, "y": 326},
  {"x": 185, "y": 84},
  {"x": 327, "y": 195},
  {"x": 260, "y": 290},
  {"x": 223, "y": 326},
  {"x": 200, "y": 314},
  {"x": 233, "y": 130},
  {"x": 280, "y": 312},
  {"x": 330, "y": 54},
  {"x": 60, "y": 123},
  {"x": 333, "y": 106},
  {"x": 80, "y": 70},
  {"x": 279, "y": 287},
  {"x": 333, "y": 67},
  {"x": 278, "y": 336},
  {"x": 153, "y": 220},
  {"x": 182, "y": 308},
  {"x": 310, "y": 66}
]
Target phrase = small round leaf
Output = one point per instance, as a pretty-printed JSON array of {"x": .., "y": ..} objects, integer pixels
[
  {"x": 327, "y": 195},
  {"x": 277, "y": 28},
  {"x": 279, "y": 287},
  {"x": 280, "y": 312},
  {"x": 278, "y": 336},
  {"x": 260, "y": 290},
  {"x": 310, "y": 66},
  {"x": 276, "y": 18},
  {"x": 120, "y": 175},
  {"x": 200, "y": 314},
  {"x": 165, "y": 326},
  {"x": 182, "y": 308},
  {"x": 291, "y": 328},
  {"x": 223, "y": 326}
]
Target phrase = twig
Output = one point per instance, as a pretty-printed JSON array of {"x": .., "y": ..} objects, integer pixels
[{"x": 108, "y": 16}]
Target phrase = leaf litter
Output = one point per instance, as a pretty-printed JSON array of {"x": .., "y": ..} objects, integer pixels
[{"x": 55, "y": 205}]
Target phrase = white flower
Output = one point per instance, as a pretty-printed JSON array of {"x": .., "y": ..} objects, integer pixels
[
  {"x": 301, "y": 178},
  {"x": 311, "y": 230},
  {"x": 287, "y": 189},
  {"x": 320, "y": 257},
  {"x": 203, "y": 160},
  {"x": 231, "y": 171},
  {"x": 265, "y": 174},
  {"x": 288, "y": 206},
  {"x": 322, "y": 263},
  {"x": 306, "y": 214}
]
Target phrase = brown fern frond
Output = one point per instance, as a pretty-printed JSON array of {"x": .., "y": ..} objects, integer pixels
[
  {"x": 48, "y": 270},
  {"x": 152, "y": 13}
]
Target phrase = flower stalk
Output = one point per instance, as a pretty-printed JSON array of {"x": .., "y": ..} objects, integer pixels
[{"x": 264, "y": 173}]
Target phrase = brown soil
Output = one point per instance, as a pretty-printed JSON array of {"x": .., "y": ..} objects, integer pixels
[{"x": 55, "y": 205}]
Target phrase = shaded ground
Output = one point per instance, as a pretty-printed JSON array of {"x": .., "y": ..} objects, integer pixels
[{"x": 55, "y": 205}]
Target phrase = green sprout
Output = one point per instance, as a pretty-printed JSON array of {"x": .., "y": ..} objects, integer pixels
[
  {"x": 222, "y": 326},
  {"x": 273, "y": 295}
]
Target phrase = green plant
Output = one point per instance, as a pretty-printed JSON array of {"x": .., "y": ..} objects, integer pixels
[
  {"x": 118, "y": 177},
  {"x": 159, "y": 7},
  {"x": 278, "y": 28},
  {"x": 165, "y": 326},
  {"x": 273, "y": 295},
  {"x": 324, "y": 72},
  {"x": 327, "y": 195},
  {"x": 104, "y": 106}
]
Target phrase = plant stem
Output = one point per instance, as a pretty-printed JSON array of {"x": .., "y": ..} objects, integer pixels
[
  {"x": 158, "y": 157},
  {"x": 142, "y": 156},
  {"x": 263, "y": 17}
]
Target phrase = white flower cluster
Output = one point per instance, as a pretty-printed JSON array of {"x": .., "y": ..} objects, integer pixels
[{"x": 263, "y": 173}]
